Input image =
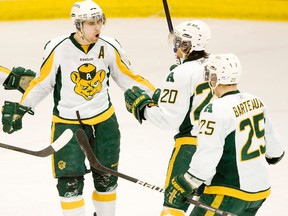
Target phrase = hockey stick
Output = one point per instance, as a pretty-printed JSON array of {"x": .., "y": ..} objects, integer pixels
[
  {"x": 54, "y": 147},
  {"x": 86, "y": 148},
  {"x": 170, "y": 27},
  {"x": 168, "y": 17},
  {"x": 4, "y": 69}
]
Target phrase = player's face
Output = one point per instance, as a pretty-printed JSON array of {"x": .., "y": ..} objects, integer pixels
[
  {"x": 180, "y": 54},
  {"x": 182, "y": 47},
  {"x": 92, "y": 29},
  {"x": 213, "y": 82}
]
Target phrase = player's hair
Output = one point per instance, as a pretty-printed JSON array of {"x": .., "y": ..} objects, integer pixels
[{"x": 194, "y": 55}]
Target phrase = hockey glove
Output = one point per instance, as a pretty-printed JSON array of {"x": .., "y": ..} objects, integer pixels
[
  {"x": 19, "y": 78},
  {"x": 136, "y": 100},
  {"x": 179, "y": 189},
  {"x": 12, "y": 114},
  {"x": 274, "y": 160}
]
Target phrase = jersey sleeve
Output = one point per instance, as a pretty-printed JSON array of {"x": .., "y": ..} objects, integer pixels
[
  {"x": 274, "y": 141},
  {"x": 210, "y": 144},
  {"x": 175, "y": 101},
  {"x": 122, "y": 71},
  {"x": 44, "y": 81}
]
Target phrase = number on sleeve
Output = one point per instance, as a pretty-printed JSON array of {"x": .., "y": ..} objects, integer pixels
[
  {"x": 169, "y": 96},
  {"x": 206, "y": 127}
]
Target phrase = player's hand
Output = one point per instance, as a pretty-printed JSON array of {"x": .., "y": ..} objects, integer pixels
[
  {"x": 12, "y": 114},
  {"x": 136, "y": 100},
  {"x": 19, "y": 78},
  {"x": 179, "y": 189},
  {"x": 176, "y": 192}
]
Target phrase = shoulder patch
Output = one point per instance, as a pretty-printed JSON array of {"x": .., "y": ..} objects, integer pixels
[
  {"x": 101, "y": 53},
  {"x": 170, "y": 77},
  {"x": 209, "y": 108}
]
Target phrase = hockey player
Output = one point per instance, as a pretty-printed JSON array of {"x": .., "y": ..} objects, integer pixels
[
  {"x": 182, "y": 96},
  {"x": 77, "y": 69},
  {"x": 18, "y": 78},
  {"x": 235, "y": 141}
]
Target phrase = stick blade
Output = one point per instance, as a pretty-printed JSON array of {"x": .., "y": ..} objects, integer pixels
[{"x": 65, "y": 137}]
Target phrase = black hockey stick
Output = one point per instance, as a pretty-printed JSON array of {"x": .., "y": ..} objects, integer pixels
[
  {"x": 49, "y": 150},
  {"x": 86, "y": 148},
  {"x": 168, "y": 17},
  {"x": 170, "y": 27}
]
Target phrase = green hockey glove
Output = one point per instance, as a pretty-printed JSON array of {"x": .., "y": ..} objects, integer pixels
[
  {"x": 136, "y": 100},
  {"x": 12, "y": 114},
  {"x": 176, "y": 192},
  {"x": 19, "y": 78},
  {"x": 179, "y": 188}
]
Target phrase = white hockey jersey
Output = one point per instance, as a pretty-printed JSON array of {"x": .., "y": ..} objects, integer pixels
[
  {"x": 235, "y": 135},
  {"x": 79, "y": 76},
  {"x": 183, "y": 94}
]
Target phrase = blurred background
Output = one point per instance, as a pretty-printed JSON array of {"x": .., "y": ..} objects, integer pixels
[
  {"x": 256, "y": 30},
  {"x": 228, "y": 9}
]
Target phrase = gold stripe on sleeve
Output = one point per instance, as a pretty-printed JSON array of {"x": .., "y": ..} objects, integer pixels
[
  {"x": 45, "y": 71},
  {"x": 123, "y": 68}
]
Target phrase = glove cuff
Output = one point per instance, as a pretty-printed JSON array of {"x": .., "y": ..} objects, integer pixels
[
  {"x": 193, "y": 181},
  {"x": 21, "y": 110},
  {"x": 19, "y": 78}
]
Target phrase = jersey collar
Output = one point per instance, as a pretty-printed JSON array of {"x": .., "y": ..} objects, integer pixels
[{"x": 230, "y": 93}]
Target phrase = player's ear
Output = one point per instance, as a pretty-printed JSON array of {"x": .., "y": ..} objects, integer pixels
[
  {"x": 75, "y": 77},
  {"x": 101, "y": 75}
]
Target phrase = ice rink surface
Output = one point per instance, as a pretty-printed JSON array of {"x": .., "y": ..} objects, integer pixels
[{"x": 27, "y": 185}]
